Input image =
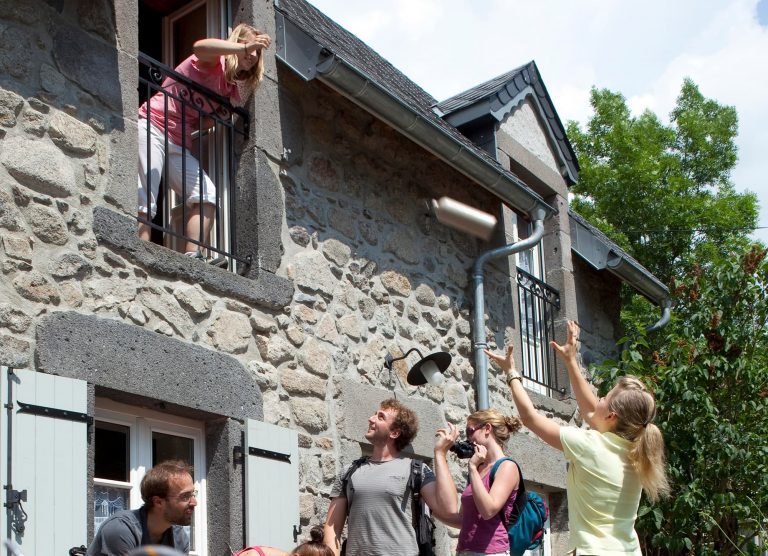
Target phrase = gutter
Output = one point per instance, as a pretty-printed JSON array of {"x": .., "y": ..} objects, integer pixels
[
  {"x": 311, "y": 60},
  {"x": 478, "y": 334},
  {"x": 603, "y": 254}
]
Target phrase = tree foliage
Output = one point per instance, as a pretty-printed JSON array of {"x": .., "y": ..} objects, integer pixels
[
  {"x": 662, "y": 192},
  {"x": 709, "y": 369}
]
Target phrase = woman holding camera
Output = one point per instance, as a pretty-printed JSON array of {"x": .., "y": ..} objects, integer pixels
[{"x": 485, "y": 507}]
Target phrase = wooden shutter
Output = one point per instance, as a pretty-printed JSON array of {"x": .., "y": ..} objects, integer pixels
[
  {"x": 48, "y": 458},
  {"x": 271, "y": 485}
]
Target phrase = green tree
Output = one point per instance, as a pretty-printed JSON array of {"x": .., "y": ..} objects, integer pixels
[
  {"x": 709, "y": 369},
  {"x": 662, "y": 192}
]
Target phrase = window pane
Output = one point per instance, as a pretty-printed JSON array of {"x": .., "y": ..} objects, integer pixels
[
  {"x": 112, "y": 460},
  {"x": 107, "y": 501},
  {"x": 168, "y": 446}
]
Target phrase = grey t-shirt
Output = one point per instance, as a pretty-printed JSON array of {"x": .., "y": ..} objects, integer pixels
[
  {"x": 380, "y": 514},
  {"x": 127, "y": 530}
]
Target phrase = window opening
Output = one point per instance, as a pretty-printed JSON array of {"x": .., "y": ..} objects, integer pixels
[
  {"x": 128, "y": 442},
  {"x": 167, "y": 32},
  {"x": 538, "y": 302}
]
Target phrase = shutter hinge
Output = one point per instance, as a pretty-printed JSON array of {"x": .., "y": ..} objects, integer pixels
[
  {"x": 55, "y": 413},
  {"x": 237, "y": 454}
]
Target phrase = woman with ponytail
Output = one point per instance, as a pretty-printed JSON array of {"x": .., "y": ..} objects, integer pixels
[
  {"x": 609, "y": 465},
  {"x": 485, "y": 507},
  {"x": 313, "y": 547}
]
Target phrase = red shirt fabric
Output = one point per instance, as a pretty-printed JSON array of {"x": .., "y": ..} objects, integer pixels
[{"x": 182, "y": 119}]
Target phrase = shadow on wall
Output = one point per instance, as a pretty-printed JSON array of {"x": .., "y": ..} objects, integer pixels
[{"x": 64, "y": 53}]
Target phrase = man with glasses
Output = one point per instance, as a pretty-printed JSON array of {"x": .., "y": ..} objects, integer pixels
[
  {"x": 374, "y": 493},
  {"x": 169, "y": 498}
]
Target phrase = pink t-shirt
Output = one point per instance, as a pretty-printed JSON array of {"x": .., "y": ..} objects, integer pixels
[
  {"x": 488, "y": 536},
  {"x": 186, "y": 115}
]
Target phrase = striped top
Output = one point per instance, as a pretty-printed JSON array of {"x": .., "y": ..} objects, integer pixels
[{"x": 379, "y": 508}]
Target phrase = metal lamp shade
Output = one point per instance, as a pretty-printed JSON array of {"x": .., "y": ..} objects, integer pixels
[{"x": 416, "y": 375}]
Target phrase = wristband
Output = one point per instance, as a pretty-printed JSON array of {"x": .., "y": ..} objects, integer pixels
[
  {"x": 516, "y": 377},
  {"x": 245, "y": 47}
]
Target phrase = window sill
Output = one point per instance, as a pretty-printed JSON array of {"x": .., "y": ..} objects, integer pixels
[{"x": 263, "y": 288}]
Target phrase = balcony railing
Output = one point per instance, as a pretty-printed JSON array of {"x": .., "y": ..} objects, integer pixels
[
  {"x": 538, "y": 303},
  {"x": 217, "y": 127}
]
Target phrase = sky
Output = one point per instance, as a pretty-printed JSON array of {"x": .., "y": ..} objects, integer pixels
[{"x": 642, "y": 49}]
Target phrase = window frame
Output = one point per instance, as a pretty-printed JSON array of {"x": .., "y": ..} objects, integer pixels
[
  {"x": 141, "y": 423},
  {"x": 532, "y": 335}
]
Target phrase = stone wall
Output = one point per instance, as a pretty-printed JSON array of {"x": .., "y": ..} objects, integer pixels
[
  {"x": 599, "y": 298},
  {"x": 360, "y": 271},
  {"x": 375, "y": 275}
]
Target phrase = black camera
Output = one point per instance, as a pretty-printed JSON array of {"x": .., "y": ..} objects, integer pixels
[{"x": 463, "y": 449}]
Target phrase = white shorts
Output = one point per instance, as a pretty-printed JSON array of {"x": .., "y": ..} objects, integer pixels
[{"x": 174, "y": 158}]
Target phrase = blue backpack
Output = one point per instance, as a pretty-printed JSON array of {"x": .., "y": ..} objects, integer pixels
[{"x": 529, "y": 514}]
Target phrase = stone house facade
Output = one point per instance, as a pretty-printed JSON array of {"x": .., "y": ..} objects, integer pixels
[{"x": 264, "y": 379}]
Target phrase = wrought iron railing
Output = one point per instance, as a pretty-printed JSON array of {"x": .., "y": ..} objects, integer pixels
[
  {"x": 217, "y": 126},
  {"x": 538, "y": 303}
]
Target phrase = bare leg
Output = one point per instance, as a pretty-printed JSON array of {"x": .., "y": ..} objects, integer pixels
[
  {"x": 144, "y": 230},
  {"x": 193, "y": 224}
]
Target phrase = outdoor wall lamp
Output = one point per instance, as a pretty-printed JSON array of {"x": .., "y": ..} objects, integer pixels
[
  {"x": 464, "y": 218},
  {"x": 429, "y": 369}
]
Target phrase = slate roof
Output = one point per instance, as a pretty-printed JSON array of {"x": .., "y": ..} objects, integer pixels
[
  {"x": 499, "y": 95},
  {"x": 478, "y": 92},
  {"x": 356, "y": 53}
]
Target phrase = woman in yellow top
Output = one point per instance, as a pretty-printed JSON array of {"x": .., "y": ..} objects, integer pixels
[{"x": 610, "y": 464}]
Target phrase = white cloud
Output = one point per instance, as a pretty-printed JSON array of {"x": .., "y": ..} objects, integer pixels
[{"x": 642, "y": 49}]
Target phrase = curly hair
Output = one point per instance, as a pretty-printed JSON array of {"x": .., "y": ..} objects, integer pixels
[{"x": 405, "y": 421}]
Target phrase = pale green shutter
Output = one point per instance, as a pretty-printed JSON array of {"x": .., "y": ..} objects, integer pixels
[
  {"x": 271, "y": 485},
  {"x": 48, "y": 458}
]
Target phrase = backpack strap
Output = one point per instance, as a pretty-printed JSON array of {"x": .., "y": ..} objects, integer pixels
[
  {"x": 414, "y": 483},
  {"x": 345, "y": 480},
  {"x": 520, "y": 498}
]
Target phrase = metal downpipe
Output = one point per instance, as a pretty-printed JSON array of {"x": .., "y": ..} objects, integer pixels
[
  {"x": 479, "y": 343},
  {"x": 666, "y": 313}
]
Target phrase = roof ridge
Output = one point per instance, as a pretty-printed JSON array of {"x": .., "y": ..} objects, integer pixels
[{"x": 501, "y": 79}]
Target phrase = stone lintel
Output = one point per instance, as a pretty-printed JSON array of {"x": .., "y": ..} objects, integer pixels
[{"x": 121, "y": 357}]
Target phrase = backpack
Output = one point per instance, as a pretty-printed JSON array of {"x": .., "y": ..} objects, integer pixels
[
  {"x": 529, "y": 514},
  {"x": 422, "y": 520}
]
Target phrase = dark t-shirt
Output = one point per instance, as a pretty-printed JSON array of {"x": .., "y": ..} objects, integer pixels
[{"x": 127, "y": 530}]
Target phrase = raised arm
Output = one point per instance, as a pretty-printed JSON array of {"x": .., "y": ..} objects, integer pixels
[
  {"x": 208, "y": 51},
  {"x": 441, "y": 496},
  {"x": 568, "y": 352},
  {"x": 543, "y": 427},
  {"x": 334, "y": 524}
]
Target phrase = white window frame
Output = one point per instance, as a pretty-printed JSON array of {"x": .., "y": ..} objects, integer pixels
[
  {"x": 142, "y": 423},
  {"x": 534, "y": 344}
]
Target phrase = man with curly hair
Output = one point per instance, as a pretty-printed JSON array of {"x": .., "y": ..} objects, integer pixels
[{"x": 375, "y": 497}]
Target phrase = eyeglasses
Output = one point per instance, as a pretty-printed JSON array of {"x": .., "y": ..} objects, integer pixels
[
  {"x": 469, "y": 431},
  {"x": 185, "y": 496}
]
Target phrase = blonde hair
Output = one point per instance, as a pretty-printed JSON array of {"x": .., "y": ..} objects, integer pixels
[
  {"x": 502, "y": 426},
  {"x": 635, "y": 409},
  {"x": 250, "y": 78}
]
